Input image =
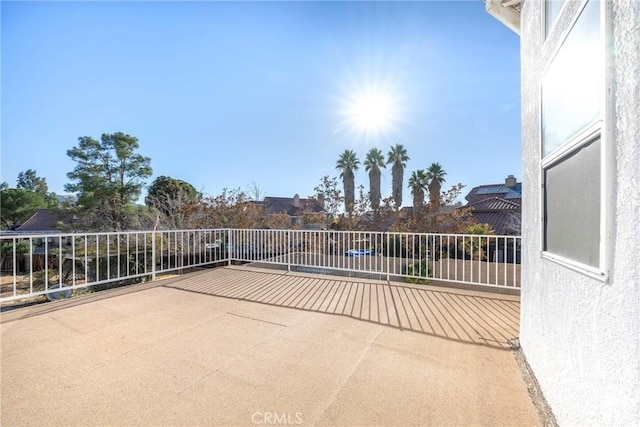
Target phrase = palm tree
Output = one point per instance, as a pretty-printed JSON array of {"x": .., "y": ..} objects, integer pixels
[
  {"x": 418, "y": 184},
  {"x": 372, "y": 164},
  {"x": 435, "y": 176},
  {"x": 398, "y": 157},
  {"x": 348, "y": 163}
]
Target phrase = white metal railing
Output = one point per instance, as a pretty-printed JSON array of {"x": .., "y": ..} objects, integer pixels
[
  {"x": 492, "y": 261},
  {"x": 55, "y": 264}
]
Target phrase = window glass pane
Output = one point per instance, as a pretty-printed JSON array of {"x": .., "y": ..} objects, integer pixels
[
  {"x": 552, "y": 11},
  {"x": 572, "y": 206},
  {"x": 572, "y": 86}
]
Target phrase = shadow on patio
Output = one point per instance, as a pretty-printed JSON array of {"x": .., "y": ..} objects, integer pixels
[{"x": 459, "y": 315}]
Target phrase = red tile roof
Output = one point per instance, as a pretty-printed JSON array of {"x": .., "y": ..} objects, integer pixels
[
  {"x": 497, "y": 205},
  {"x": 502, "y": 223}
]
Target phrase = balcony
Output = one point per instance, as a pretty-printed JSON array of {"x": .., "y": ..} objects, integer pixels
[{"x": 268, "y": 337}]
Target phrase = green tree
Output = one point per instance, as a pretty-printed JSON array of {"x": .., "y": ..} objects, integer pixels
[
  {"x": 372, "y": 164},
  {"x": 418, "y": 185},
  {"x": 108, "y": 176},
  {"x": 348, "y": 164},
  {"x": 164, "y": 190},
  {"x": 397, "y": 156},
  {"x": 17, "y": 205},
  {"x": 435, "y": 176},
  {"x": 171, "y": 197},
  {"x": 30, "y": 181}
]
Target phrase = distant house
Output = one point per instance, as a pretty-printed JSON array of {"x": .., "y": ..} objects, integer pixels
[
  {"x": 44, "y": 221},
  {"x": 295, "y": 208},
  {"x": 498, "y": 205}
]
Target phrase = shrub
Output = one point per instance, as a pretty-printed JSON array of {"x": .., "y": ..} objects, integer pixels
[
  {"x": 416, "y": 271},
  {"x": 477, "y": 246},
  {"x": 21, "y": 248}
]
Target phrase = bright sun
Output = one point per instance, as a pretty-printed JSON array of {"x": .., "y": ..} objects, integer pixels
[{"x": 371, "y": 112}]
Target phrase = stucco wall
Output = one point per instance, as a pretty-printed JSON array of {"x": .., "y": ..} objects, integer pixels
[{"x": 582, "y": 336}]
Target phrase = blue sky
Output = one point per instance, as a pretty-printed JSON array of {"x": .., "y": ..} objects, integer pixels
[{"x": 221, "y": 94}]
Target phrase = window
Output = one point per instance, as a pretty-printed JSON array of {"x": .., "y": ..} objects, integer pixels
[
  {"x": 552, "y": 10},
  {"x": 572, "y": 85},
  {"x": 572, "y": 205},
  {"x": 572, "y": 144}
]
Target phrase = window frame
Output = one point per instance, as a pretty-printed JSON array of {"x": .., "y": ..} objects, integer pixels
[
  {"x": 548, "y": 27},
  {"x": 599, "y": 128}
]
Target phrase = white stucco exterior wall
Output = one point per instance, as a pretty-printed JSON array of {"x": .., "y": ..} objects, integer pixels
[{"x": 581, "y": 336}]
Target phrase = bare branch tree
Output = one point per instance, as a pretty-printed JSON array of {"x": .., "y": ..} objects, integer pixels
[
  {"x": 513, "y": 225},
  {"x": 255, "y": 192}
]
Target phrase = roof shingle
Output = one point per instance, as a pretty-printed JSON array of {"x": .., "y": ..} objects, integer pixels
[
  {"x": 45, "y": 220},
  {"x": 495, "y": 204}
]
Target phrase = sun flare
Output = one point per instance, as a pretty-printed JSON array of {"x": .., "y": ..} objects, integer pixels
[{"x": 371, "y": 112}]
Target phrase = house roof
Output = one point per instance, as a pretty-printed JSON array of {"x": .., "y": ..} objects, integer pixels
[
  {"x": 275, "y": 205},
  {"x": 482, "y": 192},
  {"x": 45, "y": 220},
  {"x": 502, "y": 223},
  {"x": 505, "y": 11},
  {"x": 495, "y": 204},
  {"x": 406, "y": 212},
  {"x": 498, "y": 205}
]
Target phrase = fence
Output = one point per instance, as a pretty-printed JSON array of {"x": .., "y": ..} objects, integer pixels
[
  {"x": 480, "y": 260},
  {"x": 56, "y": 264}
]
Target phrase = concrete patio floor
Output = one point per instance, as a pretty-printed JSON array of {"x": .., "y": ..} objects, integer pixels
[{"x": 241, "y": 346}]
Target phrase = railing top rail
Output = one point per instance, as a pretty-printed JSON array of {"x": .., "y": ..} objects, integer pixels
[
  {"x": 401, "y": 233},
  {"x": 8, "y": 235},
  {"x": 26, "y": 235}
]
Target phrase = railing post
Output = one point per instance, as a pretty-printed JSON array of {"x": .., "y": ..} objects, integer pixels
[
  {"x": 229, "y": 245},
  {"x": 386, "y": 236},
  {"x": 288, "y": 250},
  {"x": 153, "y": 255},
  {"x": 14, "y": 244}
]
